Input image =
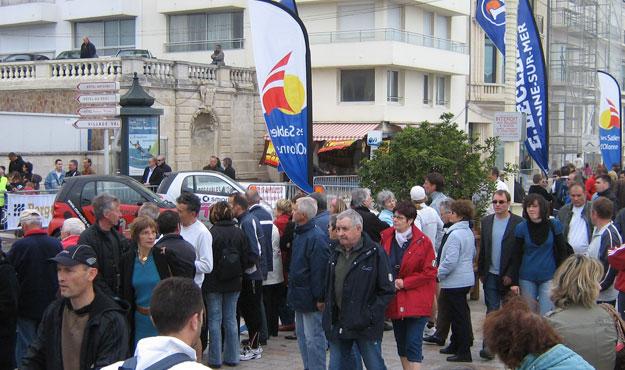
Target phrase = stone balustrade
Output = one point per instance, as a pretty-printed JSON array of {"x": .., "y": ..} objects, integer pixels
[{"x": 46, "y": 72}]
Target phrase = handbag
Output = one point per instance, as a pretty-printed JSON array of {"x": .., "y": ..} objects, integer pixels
[{"x": 620, "y": 334}]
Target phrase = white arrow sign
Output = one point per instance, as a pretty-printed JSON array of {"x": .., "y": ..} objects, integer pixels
[
  {"x": 97, "y": 123},
  {"x": 98, "y": 99},
  {"x": 98, "y": 86},
  {"x": 98, "y": 111}
]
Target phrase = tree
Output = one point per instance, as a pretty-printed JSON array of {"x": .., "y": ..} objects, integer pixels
[{"x": 443, "y": 148}]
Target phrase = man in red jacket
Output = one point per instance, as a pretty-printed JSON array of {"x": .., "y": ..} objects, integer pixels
[{"x": 616, "y": 259}]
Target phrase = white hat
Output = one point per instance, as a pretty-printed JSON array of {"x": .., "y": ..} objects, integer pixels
[{"x": 417, "y": 193}]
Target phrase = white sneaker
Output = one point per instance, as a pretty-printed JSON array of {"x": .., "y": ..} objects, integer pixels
[
  {"x": 251, "y": 354},
  {"x": 429, "y": 331}
]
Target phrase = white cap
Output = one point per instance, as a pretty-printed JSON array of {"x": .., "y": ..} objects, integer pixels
[{"x": 417, "y": 193}]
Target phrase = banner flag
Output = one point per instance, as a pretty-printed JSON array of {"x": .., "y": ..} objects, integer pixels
[
  {"x": 531, "y": 75},
  {"x": 290, "y": 4},
  {"x": 610, "y": 118},
  {"x": 282, "y": 58},
  {"x": 491, "y": 16},
  {"x": 531, "y": 86}
]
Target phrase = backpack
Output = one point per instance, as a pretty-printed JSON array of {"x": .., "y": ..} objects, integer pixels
[
  {"x": 561, "y": 192},
  {"x": 163, "y": 364},
  {"x": 229, "y": 266}
]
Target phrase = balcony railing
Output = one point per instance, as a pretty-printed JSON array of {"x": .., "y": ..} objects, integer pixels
[
  {"x": 388, "y": 34},
  {"x": 487, "y": 92},
  {"x": 18, "y": 2},
  {"x": 203, "y": 45},
  {"x": 115, "y": 68}
]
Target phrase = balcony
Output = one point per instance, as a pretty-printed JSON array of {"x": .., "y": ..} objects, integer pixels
[
  {"x": 487, "y": 93},
  {"x": 68, "y": 72},
  {"x": 203, "y": 45},
  {"x": 89, "y": 9},
  {"x": 25, "y": 12},
  {"x": 387, "y": 46}
]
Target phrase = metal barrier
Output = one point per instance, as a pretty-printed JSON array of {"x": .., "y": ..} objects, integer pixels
[{"x": 338, "y": 186}]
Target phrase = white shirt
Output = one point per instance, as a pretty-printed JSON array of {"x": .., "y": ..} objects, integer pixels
[
  {"x": 578, "y": 236},
  {"x": 201, "y": 239},
  {"x": 502, "y": 185},
  {"x": 275, "y": 276},
  {"x": 153, "y": 349},
  {"x": 429, "y": 222},
  {"x": 150, "y": 171}
]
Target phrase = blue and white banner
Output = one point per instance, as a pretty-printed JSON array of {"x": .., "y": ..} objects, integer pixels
[
  {"x": 610, "y": 118},
  {"x": 290, "y": 4},
  {"x": 282, "y": 57},
  {"x": 491, "y": 16},
  {"x": 531, "y": 86}
]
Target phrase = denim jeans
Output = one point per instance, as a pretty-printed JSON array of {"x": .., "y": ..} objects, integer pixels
[
  {"x": 311, "y": 339},
  {"x": 222, "y": 311},
  {"x": 26, "y": 333},
  {"x": 492, "y": 292},
  {"x": 356, "y": 359},
  {"x": 534, "y": 290},
  {"x": 370, "y": 350},
  {"x": 409, "y": 337}
]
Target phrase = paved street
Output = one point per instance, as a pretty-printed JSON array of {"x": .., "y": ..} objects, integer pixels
[{"x": 284, "y": 354}]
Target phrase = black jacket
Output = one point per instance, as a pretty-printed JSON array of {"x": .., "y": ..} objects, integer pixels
[
  {"x": 179, "y": 255},
  {"x": 16, "y": 165},
  {"x": 105, "y": 340},
  {"x": 367, "y": 290},
  {"x": 226, "y": 235},
  {"x": 371, "y": 224},
  {"x": 108, "y": 248},
  {"x": 87, "y": 50},
  {"x": 229, "y": 171},
  {"x": 36, "y": 275},
  {"x": 165, "y": 167},
  {"x": 486, "y": 245},
  {"x": 537, "y": 189},
  {"x": 155, "y": 179},
  {"x": 9, "y": 292}
]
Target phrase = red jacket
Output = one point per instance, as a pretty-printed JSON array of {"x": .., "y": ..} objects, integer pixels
[
  {"x": 419, "y": 275},
  {"x": 590, "y": 187},
  {"x": 616, "y": 259}
]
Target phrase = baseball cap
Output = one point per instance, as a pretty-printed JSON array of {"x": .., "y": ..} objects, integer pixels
[
  {"x": 75, "y": 255},
  {"x": 417, "y": 193},
  {"x": 29, "y": 215}
]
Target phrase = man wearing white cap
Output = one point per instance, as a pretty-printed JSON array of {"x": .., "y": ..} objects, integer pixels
[
  {"x": 36, "y": 277},
  {"x": 427, "y": 219}
]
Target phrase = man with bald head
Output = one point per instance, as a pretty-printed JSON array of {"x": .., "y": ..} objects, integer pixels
[
  {"x": 87, "y": 49},
  {"x": 160, "y": 162}
]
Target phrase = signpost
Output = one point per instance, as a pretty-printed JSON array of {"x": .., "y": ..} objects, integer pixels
[
  {"x": 99, "y": 110},
  {"x": 508, "y": 126}
]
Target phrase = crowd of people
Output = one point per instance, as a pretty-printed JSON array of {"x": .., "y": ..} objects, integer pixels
[{"x": 172, "y": 291}]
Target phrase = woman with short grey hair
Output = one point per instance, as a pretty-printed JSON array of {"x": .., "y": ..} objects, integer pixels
[
  {"x": 386, "y": 201},
  {"x": 371, "y": 224}
]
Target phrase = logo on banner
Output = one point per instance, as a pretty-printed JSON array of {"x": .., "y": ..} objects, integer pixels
[
  {"x": 609, "y": 118},
  {"x": 282, "y": 90},
  {"x": 494, "y": 11}
]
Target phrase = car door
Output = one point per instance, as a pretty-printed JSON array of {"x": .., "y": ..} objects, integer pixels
[{"x": 210, "y": 189}]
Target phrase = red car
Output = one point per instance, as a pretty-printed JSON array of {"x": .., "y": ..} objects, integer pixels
[{"x": 74, "y": 199}]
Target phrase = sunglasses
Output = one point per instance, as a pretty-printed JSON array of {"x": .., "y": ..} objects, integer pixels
[{"x": 499, "y": 202}]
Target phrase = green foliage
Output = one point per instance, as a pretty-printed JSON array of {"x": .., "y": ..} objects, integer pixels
[{"x": 443, "y": 148}]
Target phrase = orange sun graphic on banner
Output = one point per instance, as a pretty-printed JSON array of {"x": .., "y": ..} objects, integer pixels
[{"x": 609, "y": 118}]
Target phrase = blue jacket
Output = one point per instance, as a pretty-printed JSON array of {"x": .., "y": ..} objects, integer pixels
[
  {"x": 387, "y": 216},
  {"x": 322, "y": 220},
  {"x": 559, "y": 357},
  {"x": 310, "y": 252},
  {"x": 252, "y": 229},
  {"x": 53, "y": 181},
  {"x": 36, "y": 275},
  {"x": 455, "y": 269},
  {"x": 266, "y": 224}
]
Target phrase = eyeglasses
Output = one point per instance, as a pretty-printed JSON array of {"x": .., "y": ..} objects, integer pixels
[{"x": 500, "y": 201}]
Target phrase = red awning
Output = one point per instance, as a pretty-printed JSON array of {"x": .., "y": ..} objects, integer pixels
[{"x": 342, "y": 131}]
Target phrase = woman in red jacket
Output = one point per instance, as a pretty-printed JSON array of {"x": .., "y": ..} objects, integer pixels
[{"x": 411, "y": 256}]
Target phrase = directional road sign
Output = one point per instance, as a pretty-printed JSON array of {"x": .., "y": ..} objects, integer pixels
[
  {"x": 98, "y": 111},
  {"x": 97, "y": 123},
  {"x": 98, "y": 86},
  {"x": 98, "y": 99}
]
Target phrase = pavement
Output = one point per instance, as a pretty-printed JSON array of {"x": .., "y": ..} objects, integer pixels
[{"x": 280, "y": 353}]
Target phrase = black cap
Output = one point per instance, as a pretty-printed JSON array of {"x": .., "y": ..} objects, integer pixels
[{"x": 75, "y": 255}]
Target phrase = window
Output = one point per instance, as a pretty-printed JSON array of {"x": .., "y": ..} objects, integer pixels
[
  {"x": 392, "y": 86},
  {"x": 123, "y": 192},
  {"x": 395, "y": 16},
  {"x": 202, "y": 31},
  {"x": 442, "y": 27},
  {"x": 428, "y": 23},
  {"x": 213, "y": 185},
  {"x": 441, "y": 91},
  {"x": 88, "y": 193},
  {"x": 356, "y": 21},
  {"x": 358, "y": 85},
  {"x": 108, "y": 36},
  {"x": 490, "y": 61},
  {"x": 426, "y": 90}
]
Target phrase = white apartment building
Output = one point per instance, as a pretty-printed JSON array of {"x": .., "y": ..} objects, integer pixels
[{"x": 374, "y": 61}]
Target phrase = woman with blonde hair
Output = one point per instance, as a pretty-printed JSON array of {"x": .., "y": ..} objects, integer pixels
[{"x": 585, "y": 326}]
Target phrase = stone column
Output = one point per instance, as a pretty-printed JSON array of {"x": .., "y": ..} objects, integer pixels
[{"x": 511, "y": 149}]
